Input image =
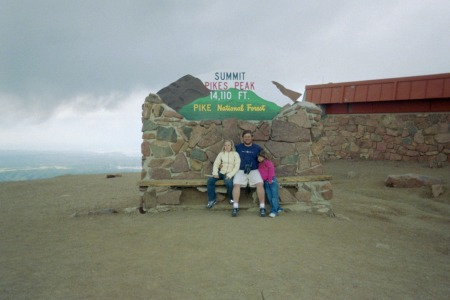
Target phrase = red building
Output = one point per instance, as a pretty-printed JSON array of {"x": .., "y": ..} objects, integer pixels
[{"x": 428, "y": 93}]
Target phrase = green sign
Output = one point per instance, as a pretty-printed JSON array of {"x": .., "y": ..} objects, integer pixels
[
  {"x": 231, "y": 96},
  {"x": 230, "y": 103}
]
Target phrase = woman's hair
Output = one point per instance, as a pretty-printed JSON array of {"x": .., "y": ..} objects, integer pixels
[{"x": 232, "y": 145}]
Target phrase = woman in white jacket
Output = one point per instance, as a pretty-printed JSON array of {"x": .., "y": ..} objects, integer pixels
[{"x": 225, "y": 167}]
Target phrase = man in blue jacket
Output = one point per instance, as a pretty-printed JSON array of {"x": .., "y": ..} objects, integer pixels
[{"x": 248, "y": 173}]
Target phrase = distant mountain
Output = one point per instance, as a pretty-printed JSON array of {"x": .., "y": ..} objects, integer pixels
[{"x": 28, "y": 165}]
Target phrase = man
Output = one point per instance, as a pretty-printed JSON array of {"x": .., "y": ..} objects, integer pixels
[{"x": 248, "y": 172}]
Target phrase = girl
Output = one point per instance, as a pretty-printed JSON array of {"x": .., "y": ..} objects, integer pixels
[
  {"x": 225, "y": 167},
  {"x": 267, "y": 171}
]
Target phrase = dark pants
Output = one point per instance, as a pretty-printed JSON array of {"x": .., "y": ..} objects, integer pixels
[{"x": 211, "y": 185}]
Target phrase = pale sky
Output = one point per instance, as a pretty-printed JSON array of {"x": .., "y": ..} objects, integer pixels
[{"x": 74, "y": 74}]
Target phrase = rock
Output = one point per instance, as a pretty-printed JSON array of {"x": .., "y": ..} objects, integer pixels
[
  {"x": 351, "y": 174},
  {"x": 75, "y": 215},
  {"x": 162, "y": 208},
  {"x": 262, "y": 133},
  {"x": 443, "y": 138},
  {"x": 300, "y": 119},
  {"x": 288, "y": 160},
  {"x": 161, "y": 149},
  {"x": 160, "y": 173},
  {"x": 246, "y": 125},
  {"x": 172, "y": 114},
  {"x": 195, "y": 164},
  {"x": 180, "y": 164},
  {"x": 157, "y": 110},
  {"x": 148, "y": 125},
  {"x": 286, "y": 170},
  {"x": 410, "y": 181},
  {"x": 145, "y": 148},
  {"x": 327, "y": 194},
  {"x": 106, "y": 211},
  {"x": 131, "y": 210},
  {"x": 196, "y": 136},
  {"x": 113, "y": 175},
  {"x": 303, "y": 195},
  {"x": 211, "y": 136},
  {"x": 284, "y": 132},
  {"x": 298, "y": 207},
  {"x": 149, "y": 198},
  {"x": 342, "y": 217},
  {"x": 230, "y": 130},
  {"x": 183, "y": 91},
  {"x": 280, "y": 149},
  {"x": 435, "y": 164},
  {"x": 198, "y": 154},
  {"x": 286, "y": 196},
  {"x": 317, "y": 148},
  {"x": 437, "y": 190},
  {"x": 153, "y": 98},
  {"x": 171, "y": 197},
  {"x": 326, "y": 210},
  {"x": 166, "y": 134},
  {"x": 160, "y": 163},
  {"x": 177, "y": 146},
  {"x": 146, "y": 110}
]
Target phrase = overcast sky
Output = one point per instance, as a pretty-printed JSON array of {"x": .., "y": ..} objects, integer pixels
[{"x": 74, "y": 74}]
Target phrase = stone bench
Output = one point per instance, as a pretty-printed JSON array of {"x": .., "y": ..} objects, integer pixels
[
  {"x": 311, "y": 193},
  {"x": 283, "y": 181}
]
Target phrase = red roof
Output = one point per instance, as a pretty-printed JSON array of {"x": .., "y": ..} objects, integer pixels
[{"x": 435, "y": 86}]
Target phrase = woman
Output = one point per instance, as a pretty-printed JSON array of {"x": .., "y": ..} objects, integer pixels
[{"x": 225, "y": 167}]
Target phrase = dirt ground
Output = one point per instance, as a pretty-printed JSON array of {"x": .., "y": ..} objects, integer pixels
[{"x": 384, "y": 243}]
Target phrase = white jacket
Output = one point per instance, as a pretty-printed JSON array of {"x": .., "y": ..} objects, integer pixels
[{"x": 228, "y": 162}]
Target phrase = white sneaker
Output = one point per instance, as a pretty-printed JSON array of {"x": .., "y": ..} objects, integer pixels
[
  {"x": 231, "y": 201},
  {"x": 272, "y": 215}
]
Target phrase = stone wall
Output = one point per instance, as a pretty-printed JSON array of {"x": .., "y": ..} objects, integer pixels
[
  {"x": 176, "y": 148},
  {"x": 420, "y": 137}
]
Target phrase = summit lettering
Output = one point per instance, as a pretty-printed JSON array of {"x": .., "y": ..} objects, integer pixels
[{"x": 229, "y": 76}]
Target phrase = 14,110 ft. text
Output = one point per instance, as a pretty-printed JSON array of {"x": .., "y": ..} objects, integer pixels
[{"x": 227, "y": 95}]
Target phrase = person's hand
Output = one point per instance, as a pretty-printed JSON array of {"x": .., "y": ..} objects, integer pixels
[
  {"x": 270, "y": 181},
  {"x": 228, "y": 178},
  {"x": 216, "y": 176}
]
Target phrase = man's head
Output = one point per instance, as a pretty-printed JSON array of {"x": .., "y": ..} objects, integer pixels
[{"x": 247, "y": 137}]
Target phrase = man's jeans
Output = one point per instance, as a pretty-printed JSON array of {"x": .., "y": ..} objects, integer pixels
[
  {"x": 272, "y": 195},
  {"x": 211, "y": 185}
]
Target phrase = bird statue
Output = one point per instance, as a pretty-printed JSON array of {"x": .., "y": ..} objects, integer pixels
[{"x": 293, "y": 95}]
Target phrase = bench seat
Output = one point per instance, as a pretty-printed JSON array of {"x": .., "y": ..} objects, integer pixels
[{"x": 282, "y": 180}]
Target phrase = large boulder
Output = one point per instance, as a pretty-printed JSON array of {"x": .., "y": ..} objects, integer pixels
[
  {"x": 183, "y": 91},
  {"x": 410, "y": 181}
]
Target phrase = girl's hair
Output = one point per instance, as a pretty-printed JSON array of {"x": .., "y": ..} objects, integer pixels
[
  {"x": 264, "y": 154},
  {"x": 232, "y": 145}
]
